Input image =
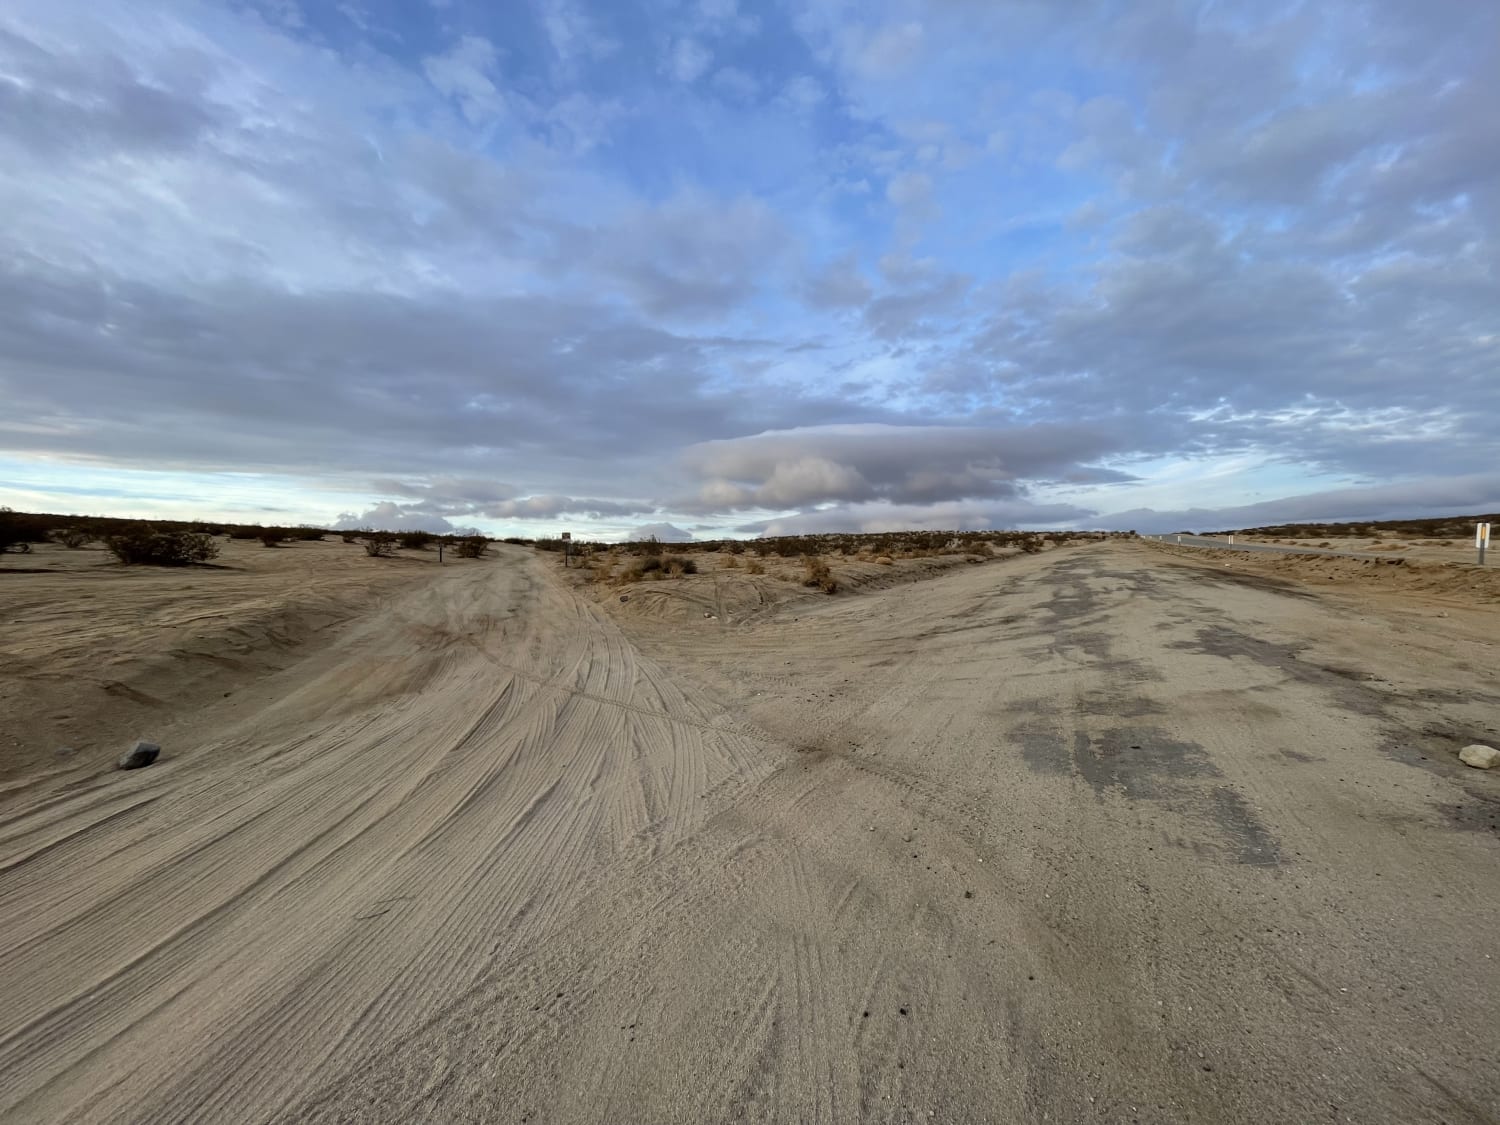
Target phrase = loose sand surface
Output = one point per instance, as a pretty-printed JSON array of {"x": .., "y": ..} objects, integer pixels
[{"x": 1109, "y": 833}]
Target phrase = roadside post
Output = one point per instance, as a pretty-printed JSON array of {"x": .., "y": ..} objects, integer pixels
[
  {"x": 1481, "y": 540},
  {"x": 440, "y": 552},
  {"x": 567, "y": 538}
]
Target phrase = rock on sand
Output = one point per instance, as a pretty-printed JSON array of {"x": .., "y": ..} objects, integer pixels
[
  {"x": 1479, "y": 756},
  {"x": 141, "y": 754}
]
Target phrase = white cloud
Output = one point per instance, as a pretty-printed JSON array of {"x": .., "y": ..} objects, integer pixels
[
  {"x": 663, "y": 532},
  {"x": 688, "y": 60},
  {"x": 463, "y": 74}
]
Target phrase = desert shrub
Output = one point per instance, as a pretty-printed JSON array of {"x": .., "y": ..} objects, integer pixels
[
  {"x": 729, "y": 562},
  {"x": 246, "y": 532},
  {"x": 349, "y": 536},
  {"x": 755, "y": 566},
  {"x": 304, "y": 534},
  {"x": 818, "y": 575},
  {"x": 145, "y": 546},
  {"x": 652, "y": 568},
  {"x": 73, "y": 537},
  {"x": 416, "y": 540},
  {"x": 270, "y": 537},
  {"x": 471, "y": 546},
  {"x": 380, "y": 544},
  {"x": 19, "y": 530},
  {"x": 885, "y": 560}
]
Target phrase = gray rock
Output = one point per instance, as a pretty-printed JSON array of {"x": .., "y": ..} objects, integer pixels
[
  {"x": 1479, "y": 756},
  {"x": 139, "y": 755}
]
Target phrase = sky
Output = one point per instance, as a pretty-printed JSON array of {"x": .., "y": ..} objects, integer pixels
[{"x": 709, "y": 267}]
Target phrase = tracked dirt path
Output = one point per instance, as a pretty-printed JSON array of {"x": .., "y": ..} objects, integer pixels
[{"x": 1097, "y": 835}]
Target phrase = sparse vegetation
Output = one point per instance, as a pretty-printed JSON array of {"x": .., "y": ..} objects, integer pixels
[
  {"x": 270, "y": 537},
  {"x": 380, "y": 544},
  {"x": 146, "y": 546},
  {"x": 819, "y": 575},
  {"x": 1456, "y": 528},
  {"x": 653, "y": 568},
  {"x": 755, "y": 566},
  {"x": 73, "y": 538},
  {"x": 416, "y": 540},
  {"x": 471, "y": 546}
]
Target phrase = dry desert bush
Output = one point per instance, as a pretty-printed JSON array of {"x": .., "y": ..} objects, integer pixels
[
  {"x": 471, "y": 546},
  {"x": 380, "y": 544},
  {"x": 653, "y": 568},
  {"x": 73, "y": 538},
  {"x": 148, "y": 547},
  {"x": 819, "y": 575}
]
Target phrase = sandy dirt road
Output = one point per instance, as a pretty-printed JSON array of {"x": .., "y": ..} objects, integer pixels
[{"x": 1098, "y": 835}]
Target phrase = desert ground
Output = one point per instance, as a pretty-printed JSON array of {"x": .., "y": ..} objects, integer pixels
[{"x": 1114, "y": 832}]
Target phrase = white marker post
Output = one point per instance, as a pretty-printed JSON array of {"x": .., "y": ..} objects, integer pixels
[{"x": 1481, "y": 539}]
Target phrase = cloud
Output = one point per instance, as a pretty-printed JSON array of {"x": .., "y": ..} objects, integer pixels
[
  {"x": 905, "y": 465},
  {"x": 692, "y": 255},
  {"x": 881, "y": 516},
  {"x": 840, "y": 284},
  {"x": 688, "y": 60},
  {"x": 664, "y": 532},
  {"x": 390, "y": 516},
  {"x": 570, "y": 262},
  {"x": 463, "y": 73}
]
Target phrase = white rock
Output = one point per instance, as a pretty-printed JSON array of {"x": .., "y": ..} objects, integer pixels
[{"x": 1479, "y": 756}]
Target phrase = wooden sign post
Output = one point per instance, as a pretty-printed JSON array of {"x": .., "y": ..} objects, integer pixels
[
  {"x": 567, "y": 538},
  {"x": 1481, "y": 540}
]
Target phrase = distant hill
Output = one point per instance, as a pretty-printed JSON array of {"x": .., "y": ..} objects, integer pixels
[{"x": 1439, "y": 527}]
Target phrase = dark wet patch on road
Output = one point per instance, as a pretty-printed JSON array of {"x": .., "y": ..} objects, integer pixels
[
  {"x": 1145, "y": 763},
  {"x": 1252, "y": 840},
  {"x": 1140, "y": 761},
  {"x": 1429, "y": 746},
  {"x": 1345, "y": 684}
]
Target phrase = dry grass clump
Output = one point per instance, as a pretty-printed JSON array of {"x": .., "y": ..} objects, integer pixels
[
  {"x": 818, "y": 575},
  {"x": 884, "y": 560},
  {"x": 729, "y": 562},
  {"x": 755, "y": 566},
  {"x": 654, "y": 568}
]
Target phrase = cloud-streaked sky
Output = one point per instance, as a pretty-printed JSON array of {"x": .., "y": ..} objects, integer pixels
[{"x": 738, "y": 266}]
